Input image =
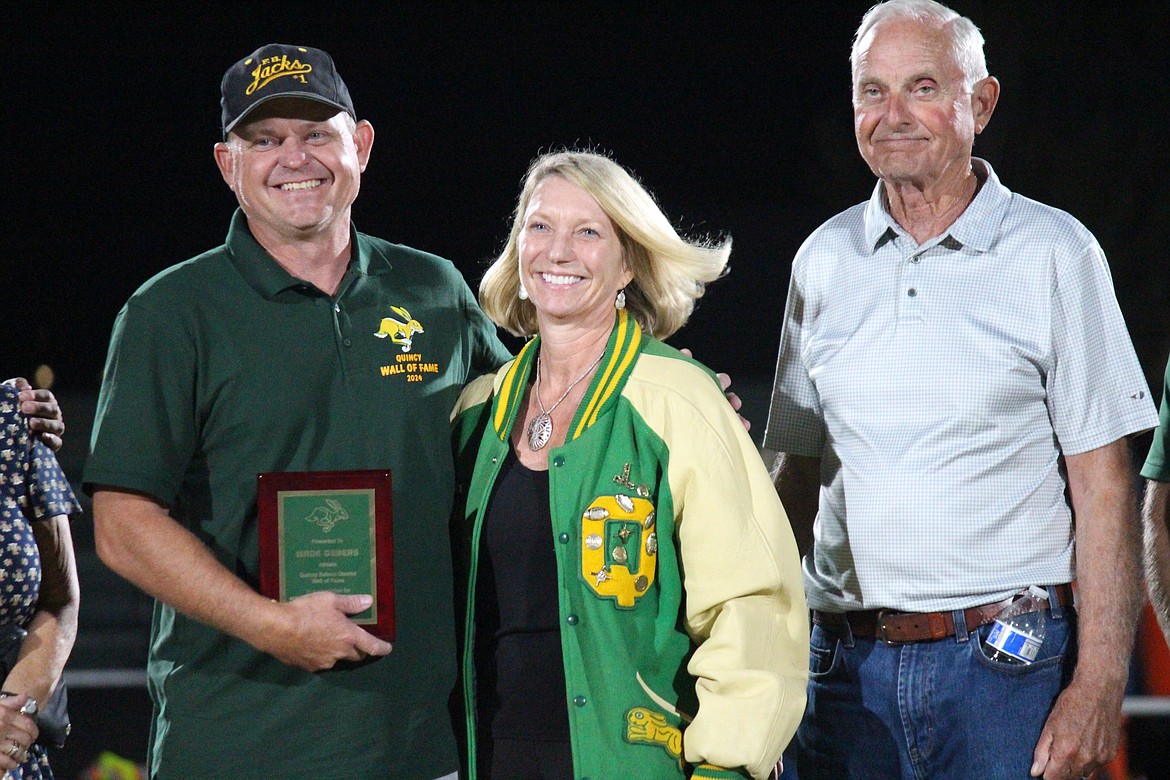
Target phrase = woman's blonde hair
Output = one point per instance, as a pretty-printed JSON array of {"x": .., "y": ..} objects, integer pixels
[{"x": 670, "y": 272}]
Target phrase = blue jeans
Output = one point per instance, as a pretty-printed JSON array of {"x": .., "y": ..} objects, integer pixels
[{"x": 932, "y": 710}]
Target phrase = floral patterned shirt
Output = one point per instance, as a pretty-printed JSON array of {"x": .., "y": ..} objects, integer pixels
[{"x": 32, "y": 487}]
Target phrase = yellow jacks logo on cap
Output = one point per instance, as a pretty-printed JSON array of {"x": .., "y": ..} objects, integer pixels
[{"x": 270, "y": 69}]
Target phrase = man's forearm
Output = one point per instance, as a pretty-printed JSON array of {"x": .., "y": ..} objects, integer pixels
[
  {"x": 139, "y": 540},
  {"x": 1083, "y": 729},
  {"x": 1107, "y": 555},
  {"x": 1156, "y": 533}
]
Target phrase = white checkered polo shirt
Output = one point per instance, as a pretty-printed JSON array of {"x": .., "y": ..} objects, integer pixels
[{"x": 940, "y": 384}]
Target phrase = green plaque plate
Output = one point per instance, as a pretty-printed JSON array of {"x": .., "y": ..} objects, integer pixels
[{"x": 329, "y": 530}]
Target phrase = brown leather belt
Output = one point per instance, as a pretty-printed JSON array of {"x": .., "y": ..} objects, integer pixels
[{"x": 898, "y": 628}]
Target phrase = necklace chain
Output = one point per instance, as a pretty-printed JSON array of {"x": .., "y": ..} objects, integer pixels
[{"x": 540, "y": 430}]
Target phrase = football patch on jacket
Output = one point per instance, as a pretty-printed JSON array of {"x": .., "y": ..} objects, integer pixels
[{"x": 619, "y": 547}]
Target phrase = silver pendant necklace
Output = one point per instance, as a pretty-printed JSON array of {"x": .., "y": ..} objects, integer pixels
[{"x": 540, "y": 430}]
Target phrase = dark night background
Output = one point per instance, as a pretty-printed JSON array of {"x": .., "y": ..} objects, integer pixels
[{"x": 736, "y": 115}]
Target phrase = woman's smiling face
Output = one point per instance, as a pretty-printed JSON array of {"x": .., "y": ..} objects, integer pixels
[{"x": 571, "y": 259}]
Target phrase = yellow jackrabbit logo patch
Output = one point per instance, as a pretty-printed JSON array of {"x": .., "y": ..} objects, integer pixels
[
  {"x": 400, "y": 332},
  {"x": 650, "y": 727}
]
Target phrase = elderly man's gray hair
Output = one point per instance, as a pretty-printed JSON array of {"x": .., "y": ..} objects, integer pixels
[{"x": 965, "y": 36}]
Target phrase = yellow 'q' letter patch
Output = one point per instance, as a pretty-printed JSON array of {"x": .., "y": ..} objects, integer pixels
[{"x": 619, "y": 547}]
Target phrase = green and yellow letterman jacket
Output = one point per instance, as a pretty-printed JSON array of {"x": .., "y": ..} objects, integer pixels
[{"x": 683, "y": 621}]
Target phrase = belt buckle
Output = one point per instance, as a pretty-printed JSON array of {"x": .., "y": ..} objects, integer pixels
[{"x": 882, "y": 632}]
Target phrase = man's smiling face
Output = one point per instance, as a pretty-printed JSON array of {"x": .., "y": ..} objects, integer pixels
[{"x": 296, "y": 167}]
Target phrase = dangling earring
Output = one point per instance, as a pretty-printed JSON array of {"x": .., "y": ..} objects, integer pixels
[
  {"x": 620, "y": 302},
  {"x": 523, "y": 292}
]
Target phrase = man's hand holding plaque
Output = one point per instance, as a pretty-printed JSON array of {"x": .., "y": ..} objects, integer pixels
[
  {"x": 318, "y": 632},
  {"x": 326, "y": 544}
]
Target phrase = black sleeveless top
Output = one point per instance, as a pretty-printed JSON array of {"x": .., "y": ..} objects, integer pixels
[{"x": 519, "y": 667}]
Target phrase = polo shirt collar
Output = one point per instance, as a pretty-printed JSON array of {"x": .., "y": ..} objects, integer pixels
[
  {"x": 975, "y": 228},
  {"x": 880, "y": 227},
  {"x": 267, "y": 277}
]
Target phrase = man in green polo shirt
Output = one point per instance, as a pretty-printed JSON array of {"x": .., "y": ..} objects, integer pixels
[
  {"x": 1156, "y": 514},
  {"x": 298, "y": 345}
]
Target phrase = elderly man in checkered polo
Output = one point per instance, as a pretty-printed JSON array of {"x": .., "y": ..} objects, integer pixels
[{"x": 953, "y": 394}]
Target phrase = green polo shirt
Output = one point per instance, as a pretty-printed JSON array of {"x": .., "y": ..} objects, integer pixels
[
  {"x": 1156, "y": 466},
  {"x": 225, "y": 366}
]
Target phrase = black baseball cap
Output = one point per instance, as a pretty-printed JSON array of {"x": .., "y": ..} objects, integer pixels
[{"x": 279, "y": 70}]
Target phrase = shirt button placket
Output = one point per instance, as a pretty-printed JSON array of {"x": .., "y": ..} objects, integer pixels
[
  {"x": 341, "y": 325},
  {"x": 911, "y": 282}
]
